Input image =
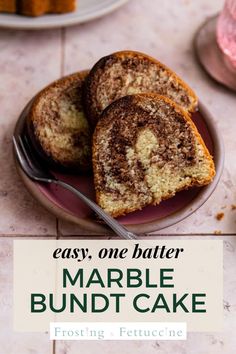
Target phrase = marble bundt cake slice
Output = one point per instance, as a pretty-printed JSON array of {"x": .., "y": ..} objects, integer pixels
[
  {"x": 145, "y": 149},
  {"x": 8, "y": 6},
  {"x": 126, "y": 73},
  {"x": 57, "y": 124}
]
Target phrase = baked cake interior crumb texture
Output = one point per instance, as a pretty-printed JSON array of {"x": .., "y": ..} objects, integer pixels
[{"x": 37, "y": 7}]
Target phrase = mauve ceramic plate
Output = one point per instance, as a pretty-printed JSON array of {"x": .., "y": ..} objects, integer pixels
[
  {"x": 86, "y": 10},
  {"x": 66, "y": 206},
  {"x": 212, "y": 59}
]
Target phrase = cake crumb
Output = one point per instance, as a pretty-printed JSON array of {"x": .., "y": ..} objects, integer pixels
[
  {"x": 217, "y": 232},
  {"x": 233, "y": 207},
  {"x": 220, "y": 216}
]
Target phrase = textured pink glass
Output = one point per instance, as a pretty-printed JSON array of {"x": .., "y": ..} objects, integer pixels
[{"x": 226, "y": 31}]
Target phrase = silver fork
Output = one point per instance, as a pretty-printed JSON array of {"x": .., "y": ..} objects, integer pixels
[{"x": 39, "y": 173}]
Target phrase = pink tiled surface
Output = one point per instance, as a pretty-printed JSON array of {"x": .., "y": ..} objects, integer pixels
[{"x": 29, "y": 61}]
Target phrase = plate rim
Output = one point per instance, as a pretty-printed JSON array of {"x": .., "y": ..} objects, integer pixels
[
  {"x": 90, "y": 225},
  {"x": 71, "y": 19}
]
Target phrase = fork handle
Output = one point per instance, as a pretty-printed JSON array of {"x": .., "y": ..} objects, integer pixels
[{"x": 114, "y": 225}]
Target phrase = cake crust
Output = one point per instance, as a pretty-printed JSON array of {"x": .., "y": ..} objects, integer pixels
[
  {"x": 129, "y": 72},
  {"x": 58, "y": 126},
  {"x": 41, "y": 7},
  {"x": 138, "y": 172}
]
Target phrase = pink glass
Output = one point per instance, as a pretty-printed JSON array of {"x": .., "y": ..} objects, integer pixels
[{"x": 226, "y": 31}]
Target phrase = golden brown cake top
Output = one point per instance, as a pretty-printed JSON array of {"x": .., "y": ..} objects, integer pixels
[
  {"x": 125, "y": 73},
  {"x": 59, "y": 123},
  {"x": 145, "y": 149}
]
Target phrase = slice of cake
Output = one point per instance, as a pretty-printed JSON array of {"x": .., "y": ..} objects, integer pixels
[
  {"x": 126, "y": 73},
  {"x": 37, "y": 7},
  {"x": 8, "y": 6},
  {"x": 145, "y": 149},
  {"x": 57, "y": 124},
  {"x": 41, "y": 7}
]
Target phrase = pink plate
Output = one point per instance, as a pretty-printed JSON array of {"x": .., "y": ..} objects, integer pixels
[{"x": 67, "y": 206}]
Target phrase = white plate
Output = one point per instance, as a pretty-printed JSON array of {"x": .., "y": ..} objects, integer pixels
[{"x": 86, "y": 10}]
